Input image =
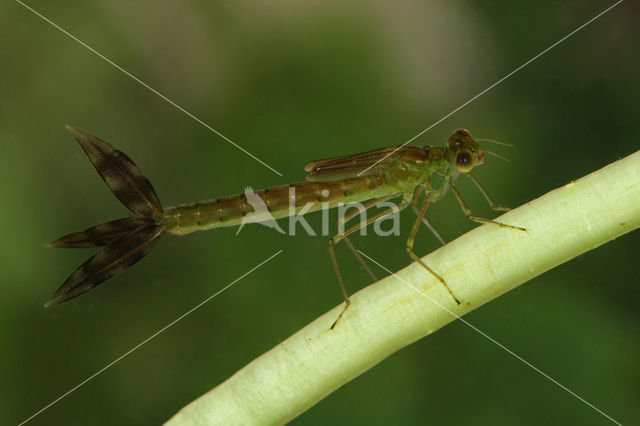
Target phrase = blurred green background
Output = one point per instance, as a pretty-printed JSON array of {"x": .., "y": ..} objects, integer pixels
[{"x": 293, "y": 82}]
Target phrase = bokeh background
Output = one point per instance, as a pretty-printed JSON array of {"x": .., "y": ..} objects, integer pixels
[{"x": 293, "y": 81}]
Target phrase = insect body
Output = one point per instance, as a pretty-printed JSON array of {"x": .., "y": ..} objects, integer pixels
[{"x": 398, "y": 172}]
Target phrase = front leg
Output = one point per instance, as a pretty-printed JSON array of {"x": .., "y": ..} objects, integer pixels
[
  {"x": 492, "y": 205},
  {"x": 470, "y": 215}
]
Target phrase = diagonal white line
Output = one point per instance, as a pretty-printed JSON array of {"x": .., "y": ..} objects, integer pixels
[
  {"x": 495, "y": 84},
  {"x": 494, "y": 341},
  {"x": 150, "y": 88},
  {"x": 148, "y": 338}
]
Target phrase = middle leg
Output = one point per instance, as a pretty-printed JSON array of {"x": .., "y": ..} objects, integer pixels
[{"x": 414, "y": 256}]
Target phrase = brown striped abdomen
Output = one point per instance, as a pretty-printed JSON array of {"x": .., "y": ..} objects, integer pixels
[{"x": 275, "y": 202}]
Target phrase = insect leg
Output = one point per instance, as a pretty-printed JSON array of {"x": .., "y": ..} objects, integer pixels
[
  {"x": 337, "y": 238},
  {"x": 409, "y": 246},
  {"x": 414, "y": 202},
  {"x": 486, "y": 196},
  {"x": 360, "y": 259},
  {"x": 367, "y": 205},
  {"x": 470, "y": 215}
]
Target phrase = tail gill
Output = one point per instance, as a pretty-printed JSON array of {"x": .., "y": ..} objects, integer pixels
[{"x": 125, "y": 241}]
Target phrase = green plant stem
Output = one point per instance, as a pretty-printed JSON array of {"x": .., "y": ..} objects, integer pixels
[{"x": 388, "y": 315}]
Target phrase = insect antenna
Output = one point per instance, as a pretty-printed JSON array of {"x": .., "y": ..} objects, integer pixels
[
  {"x": 499, "y": 156},
  {"x": 494, "y": 141}
]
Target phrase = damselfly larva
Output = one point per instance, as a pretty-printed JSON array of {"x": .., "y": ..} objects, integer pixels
[{"x": 401, "y": 173}]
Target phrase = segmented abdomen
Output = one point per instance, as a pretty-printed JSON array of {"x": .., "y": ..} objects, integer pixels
[{"x": 275, "y": 202}]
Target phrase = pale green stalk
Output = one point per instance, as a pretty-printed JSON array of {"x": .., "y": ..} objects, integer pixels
[{"x": 390, "y": 314}]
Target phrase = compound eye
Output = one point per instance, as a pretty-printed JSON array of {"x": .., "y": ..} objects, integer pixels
[{"x": 464, "y": 161}]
